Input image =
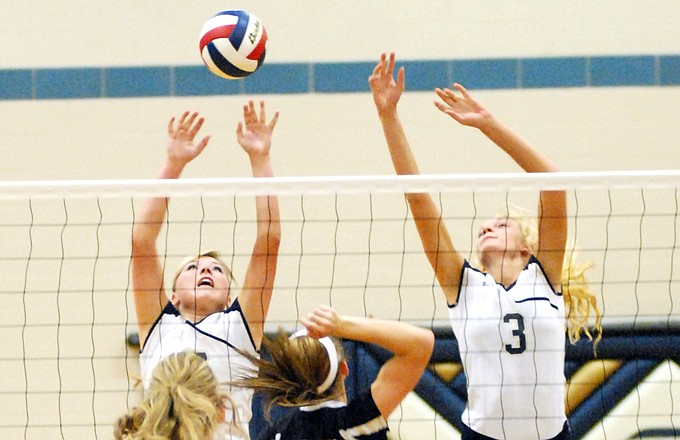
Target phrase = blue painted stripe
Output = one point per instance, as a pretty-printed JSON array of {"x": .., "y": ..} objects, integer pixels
[
  {"x": 16, "y": 84},
  {"x": 342, "y": 77},
  {"x": 127, "y": 82},
  {"x": 554, "y": 72},
  {"x": 68, "y": 83},
  {"x": 669, "y": 67},
  {"x": 199, "y": 81},
  {"x": 623, "y": 71},
  {"x": 346, "y": 77},
  {"x": 486, "y": 74},
  {"x": 278, "y": 78},
  {"x": 424, "y": 75}
]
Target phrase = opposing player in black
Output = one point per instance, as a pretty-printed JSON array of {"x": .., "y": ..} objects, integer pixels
[{"x": 308, "y": 369}]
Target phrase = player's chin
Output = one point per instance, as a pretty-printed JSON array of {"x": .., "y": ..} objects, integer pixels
[{"x": 490, "y": 251}]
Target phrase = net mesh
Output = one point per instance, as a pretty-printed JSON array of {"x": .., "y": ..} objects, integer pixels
[{"x": 349, "y": 242}]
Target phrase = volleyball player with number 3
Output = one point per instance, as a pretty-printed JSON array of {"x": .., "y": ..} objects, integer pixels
[
  {"x": 508, "y": 314},
  {"x": 200, "y": 314}
]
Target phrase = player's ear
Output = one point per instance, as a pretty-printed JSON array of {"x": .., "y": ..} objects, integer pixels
[{"x": 344, "y": 368}]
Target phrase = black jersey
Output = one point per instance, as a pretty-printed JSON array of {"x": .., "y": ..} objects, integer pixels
[{"x": 358, "y": 420}]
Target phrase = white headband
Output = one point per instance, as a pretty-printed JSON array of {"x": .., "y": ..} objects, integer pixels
[{"x": 332, "y": 358}]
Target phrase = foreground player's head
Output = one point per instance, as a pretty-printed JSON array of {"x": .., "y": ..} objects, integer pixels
[
  {"x": 301, "y": 371},
  {"x": 184, "y": 402}
]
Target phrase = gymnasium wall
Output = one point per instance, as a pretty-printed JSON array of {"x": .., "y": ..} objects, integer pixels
[
  {"x": 87, "y": 89},
  {"x": 617, "y": 124}
]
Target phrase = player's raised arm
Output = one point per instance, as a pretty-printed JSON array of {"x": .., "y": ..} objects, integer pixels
[
  {"x": 459, "y": 104},
  {"x": 147, "y": 272},
  {"x": 258, "y": 285},
  {"x": 437, "y": 244},
  {"x": 412, "y": 347}
]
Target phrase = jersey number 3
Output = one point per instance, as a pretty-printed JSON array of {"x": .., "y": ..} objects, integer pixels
[{"x": 517, "y": 322}]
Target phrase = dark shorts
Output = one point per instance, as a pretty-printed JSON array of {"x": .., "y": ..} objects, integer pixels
[{"x": 469, "y": 434}]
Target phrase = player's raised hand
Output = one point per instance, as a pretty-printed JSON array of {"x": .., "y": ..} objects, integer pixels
[
  {"x": 182, "y": 147},
  {"x": 462, "y": 106},
  {"x": 257, "y": 137},
  {"x": 322, "y": 321},
  {"x": 386, "y": 90}
]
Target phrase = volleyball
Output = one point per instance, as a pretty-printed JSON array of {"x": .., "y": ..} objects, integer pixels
[{"x": 233, "y": 43}]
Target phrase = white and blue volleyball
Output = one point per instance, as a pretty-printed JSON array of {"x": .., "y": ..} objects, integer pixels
[{"x": 233, "y": 43}]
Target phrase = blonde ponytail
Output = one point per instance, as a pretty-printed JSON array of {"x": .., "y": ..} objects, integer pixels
[
  {"x": 579, "y": 301},
  {"x": 184, "y": 402}
]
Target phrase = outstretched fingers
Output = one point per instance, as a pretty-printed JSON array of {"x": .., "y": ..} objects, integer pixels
[
  {"x": 384, "y": 69},
  {"x": 390, "y": 65},
  {"x": 380, "y": 67},
  {"x": 401, "y": 78},
  {"x": 263, "y": 113},
  {"x": 183, "y": 118},
  {"x": 202, "y": 144},
  {"x": 272, "y": 123},
  {"x": 249, "y": 112},
  {"x": 248, "y": 118},
  {"x": 463, "y": 91},
  {"x": 187, "y": 124},
  {"x": 377, "y": 69},
  {"x": 171, "y": 126},
  {"x": 447, "y": 95},
  {"x": 171, "y": 123},
  {"x": 194, "y": 128}
]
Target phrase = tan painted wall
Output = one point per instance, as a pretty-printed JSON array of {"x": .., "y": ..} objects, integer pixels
[{"x": 71, "y": 340}]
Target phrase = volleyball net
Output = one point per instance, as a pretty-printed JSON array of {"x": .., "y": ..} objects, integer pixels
[{"x": 346, "y": 241}]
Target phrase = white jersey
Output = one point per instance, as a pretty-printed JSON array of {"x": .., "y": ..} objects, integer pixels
[
  {"x": 214, "y": 338},
  {"x": 512, "y": 342}
]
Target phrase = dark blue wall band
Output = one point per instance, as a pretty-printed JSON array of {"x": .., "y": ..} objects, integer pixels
[{"x": 344, "y": 77}]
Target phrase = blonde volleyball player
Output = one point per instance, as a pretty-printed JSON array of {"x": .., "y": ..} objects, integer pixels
[
  {"x": 200, "y": 313},
  {"x": 508, "y": 314},
  {"x": 184, "y": 402}
]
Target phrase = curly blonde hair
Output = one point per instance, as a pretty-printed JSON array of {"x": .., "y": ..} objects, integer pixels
[
  {"x": 184, "y": 402},
  {"x": 579, "y": 301}
]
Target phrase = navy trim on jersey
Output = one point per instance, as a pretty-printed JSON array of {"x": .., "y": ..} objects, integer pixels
[
  {"x": 538, "y": 298},
  {"x": 170, "y": 309},
  {"x": 236, "y": 305},
  {"x": 532, "y": 259},
  {"x": 535, "y": 260},
  {"x": 460, "y": 283}
]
